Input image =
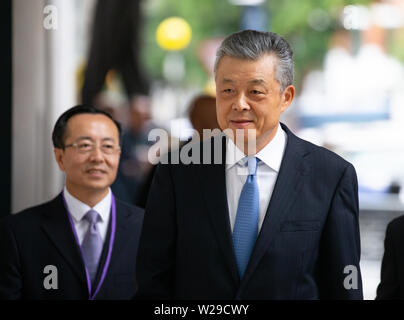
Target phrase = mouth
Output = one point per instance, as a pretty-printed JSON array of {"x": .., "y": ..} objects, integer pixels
[
  {"x": 94, "y": 172},
  {"x": 241, "y": 123}
]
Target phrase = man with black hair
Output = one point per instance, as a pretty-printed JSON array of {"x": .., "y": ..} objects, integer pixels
[{"x": 83, "y": 243}]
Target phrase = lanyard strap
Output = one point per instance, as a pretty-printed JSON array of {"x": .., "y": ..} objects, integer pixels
[{"x": 110, "y": 246}]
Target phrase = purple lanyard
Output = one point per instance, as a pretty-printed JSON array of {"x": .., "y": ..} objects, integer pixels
[{"x": 111, "y": 244}]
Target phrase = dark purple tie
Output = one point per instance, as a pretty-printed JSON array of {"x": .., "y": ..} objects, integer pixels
[{"x": 92, "y": 244}]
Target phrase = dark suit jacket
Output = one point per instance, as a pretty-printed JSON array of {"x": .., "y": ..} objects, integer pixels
[
  {"x": 391, "y": 284},
  {"x": 42, "y": 236},
  {"x": 308, "y": 237}
]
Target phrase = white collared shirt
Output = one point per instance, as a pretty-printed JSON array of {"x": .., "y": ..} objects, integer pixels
[
  {"x": 78, "y": 210},
  {"x": 267, "y": 172}
]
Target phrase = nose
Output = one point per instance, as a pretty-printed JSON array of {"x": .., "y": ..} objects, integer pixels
[
  {"x": 241, "y": 104},
  {"x": 96, "y": 154}
]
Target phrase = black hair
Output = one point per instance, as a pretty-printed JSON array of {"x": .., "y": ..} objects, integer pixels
[{"x": 59, "y": 130}]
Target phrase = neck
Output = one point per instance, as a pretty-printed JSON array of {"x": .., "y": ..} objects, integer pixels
[
  {"x": 251, "y": 149},
  {"x": 89, "y": 197}
]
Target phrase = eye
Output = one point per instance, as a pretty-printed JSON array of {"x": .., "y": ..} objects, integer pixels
[
  {"x": 84, "y": 145},
  {"x": 108, "y": 146},
  {"x": 255, "y": 92},
  {"x": 228, "y": 90}
]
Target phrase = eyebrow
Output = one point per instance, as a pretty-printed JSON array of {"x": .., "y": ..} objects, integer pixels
[
  {"x": 226, "y": 80},
  {"x": 253, "y": 81},
  {"x": 89, "y": 138},
  {"x": 257, "y": 81}
]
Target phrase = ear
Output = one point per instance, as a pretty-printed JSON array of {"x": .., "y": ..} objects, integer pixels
[
  {"x": 287, "y": 97},
  {"x": 59, "y": 157}
]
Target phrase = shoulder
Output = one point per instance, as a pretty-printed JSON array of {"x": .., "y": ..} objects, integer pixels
[
  {"x": 196, "y": 151},
  {"x": 30, "y": 217},
  {"x": 394, "y": 232},
  {"x": 396, "y": 226},
  {"x": 320, "y": 157},
  {"x": 129, "y": 210}
]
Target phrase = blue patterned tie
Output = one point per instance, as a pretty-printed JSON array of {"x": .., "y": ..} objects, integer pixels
[
  {"x": 92, "y": 244},
  {"x": 246, "y": 226}
]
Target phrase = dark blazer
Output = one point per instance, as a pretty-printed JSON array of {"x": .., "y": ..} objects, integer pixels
[
  {"x": 391, "y": 284},
  {"x": 308, "y": 237},
  {"x": 42, "y": 235}
]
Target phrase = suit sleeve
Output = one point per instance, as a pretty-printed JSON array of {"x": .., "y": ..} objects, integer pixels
[
  {"x": 155, "y": 269},
  {"x": 339, "y": 255},
  {"x": 10, "y": 276},
  {"x": 388, "y": 288}
]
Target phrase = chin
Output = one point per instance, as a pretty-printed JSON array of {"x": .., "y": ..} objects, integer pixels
[{"x": 98, "y": 186}]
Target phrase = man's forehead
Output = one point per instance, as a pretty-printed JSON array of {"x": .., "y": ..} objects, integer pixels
[
  {"x": 230, "y": 65},
  {"x": 88, "y": 119},
  {"x": 82, "y": 124},
  {"x": 265, "y": 56},
  {"x": 249, "y": 81}
]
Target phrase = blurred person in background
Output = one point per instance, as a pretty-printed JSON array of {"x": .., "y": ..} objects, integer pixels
[
  {"x": 379, "y": 75},
  {"x": 134, "y": 165},
  {"x": 391, "y": 286},
  {"x": 202, "y": 115},
  {"x": 362, "y": 86},
  {"x": 83, "y": 243},
  {"x": 115, "y": 45}
]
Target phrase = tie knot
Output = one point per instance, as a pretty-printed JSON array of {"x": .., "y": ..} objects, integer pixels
[
  {"x": 91, "y": 216},
  {"x": 252, "y": 165}
]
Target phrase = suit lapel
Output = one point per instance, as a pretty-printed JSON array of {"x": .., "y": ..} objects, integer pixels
[
  {"x": 57, "y": 227},
  {"x": 122, "y": 233},
  {"x": 213, "y": 182},
  {"x": 291, "y": 175}
]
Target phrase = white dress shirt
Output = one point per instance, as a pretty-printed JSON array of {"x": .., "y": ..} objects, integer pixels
[
  {"x": 267, "y": 172},
  {"x": 78, "y": 210}
]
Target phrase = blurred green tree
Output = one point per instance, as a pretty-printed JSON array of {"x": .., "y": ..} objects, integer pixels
[{"x": 306, "y": 24}]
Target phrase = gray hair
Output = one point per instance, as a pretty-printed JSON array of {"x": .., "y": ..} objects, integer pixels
[{"x": 251, "y": 45}]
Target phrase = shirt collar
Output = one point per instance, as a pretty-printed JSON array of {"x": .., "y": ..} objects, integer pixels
[
  {"x": 233, "y": 154},
  {"x": 78, "y": 208},
  {"x": 271, "y": 154}
]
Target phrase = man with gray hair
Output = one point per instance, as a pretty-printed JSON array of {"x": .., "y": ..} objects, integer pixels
[{"x": 278, "y": 220}]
